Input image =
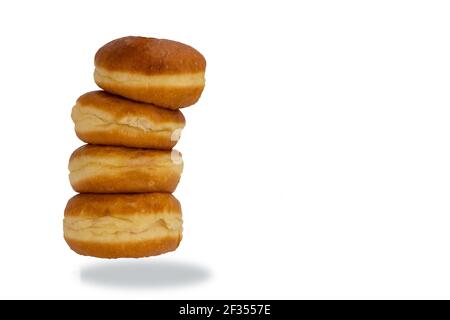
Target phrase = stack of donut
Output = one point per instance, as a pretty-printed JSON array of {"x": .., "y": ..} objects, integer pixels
[{"x": 127, "y": 171}]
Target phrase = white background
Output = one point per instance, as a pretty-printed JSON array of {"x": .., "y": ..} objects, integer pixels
[{"x": 317, "y": 162}]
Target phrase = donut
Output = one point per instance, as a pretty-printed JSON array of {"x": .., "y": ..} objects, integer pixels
[
  {"x": 103, "y": 118},
  {"x": 123, "y": 225},
  {"x": 108, "y": 169},
  {"x": 166, "y": 73}
]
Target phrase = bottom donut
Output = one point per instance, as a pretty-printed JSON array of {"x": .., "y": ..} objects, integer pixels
[{"x": 123, "y": 225}]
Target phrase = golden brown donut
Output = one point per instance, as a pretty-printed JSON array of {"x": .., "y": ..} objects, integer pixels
[
  {"x": 103, "y": 118},
  {"x": 123, "y": 225},
  {"x": 106, "y": 169},
  {"x": 166, "y": 73}
]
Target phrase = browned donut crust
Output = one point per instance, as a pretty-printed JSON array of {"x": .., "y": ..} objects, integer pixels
[
  {"x": 137, "y": 249},
  {"x": 103, "y": 118},
  {"x": 107, "y": 169},
  {"x": 123, "y": 225},
  {"x": 149, "y": 56},
  {"x": 166, "y": 73}
]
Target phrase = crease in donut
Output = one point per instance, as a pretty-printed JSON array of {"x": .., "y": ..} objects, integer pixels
[
  {"x": 85, "y": 117},
  {"x": 122, "y": 224},
  {"x": 160, "y": 222},
  {"x": 130, "y": 159},
  {"x": 81, "y": 119},
  {"x": 165, "y": 80},
  {"x": 101, "y": 165},
  {"x": 100, "y": 222},
  {"x": 112, "y": 229}
]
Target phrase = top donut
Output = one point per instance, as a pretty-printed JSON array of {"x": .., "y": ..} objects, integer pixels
[{"x": 163, "y": 72}]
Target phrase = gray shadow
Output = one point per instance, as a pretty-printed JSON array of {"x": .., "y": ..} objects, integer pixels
[{"x": 139, "y": 274}]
